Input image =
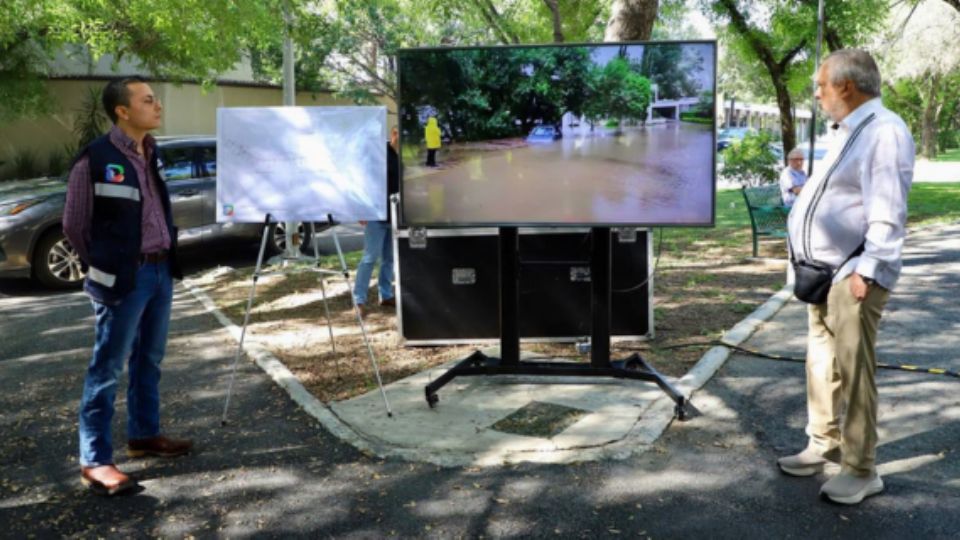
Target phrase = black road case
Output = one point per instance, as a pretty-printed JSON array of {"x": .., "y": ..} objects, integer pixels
[{"x": 448, "y": 285}]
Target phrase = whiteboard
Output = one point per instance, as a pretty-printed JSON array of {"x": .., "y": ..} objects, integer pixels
[{"x": 301, "y": 163}]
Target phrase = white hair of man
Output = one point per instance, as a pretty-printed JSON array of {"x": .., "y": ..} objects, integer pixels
[
  {"x": 857, "y": 66},
  {"x": 795, "y": 153}
]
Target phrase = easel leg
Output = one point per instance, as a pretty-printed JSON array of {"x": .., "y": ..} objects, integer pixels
[
  {"x": 323, "y": 294},
  {"x": 363, "y": 328},
  {"x": 246, "y": 317}
]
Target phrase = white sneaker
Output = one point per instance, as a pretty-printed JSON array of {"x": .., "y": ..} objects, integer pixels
[
  {"x": 846, "y": 488},
  {"x": 806, "y": 463}
]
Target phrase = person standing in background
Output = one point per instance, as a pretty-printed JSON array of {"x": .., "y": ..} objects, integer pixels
[
  {"x": 377, "y": 241},
  {"x": 432, "y": 134}
]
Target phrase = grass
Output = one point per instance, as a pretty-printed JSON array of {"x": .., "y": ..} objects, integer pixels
[
  {"x": 950, "y": 155},
  {"x": 930, "y": 204}
]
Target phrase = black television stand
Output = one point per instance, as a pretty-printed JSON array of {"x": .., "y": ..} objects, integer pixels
[{"x": 632, "y": 367}]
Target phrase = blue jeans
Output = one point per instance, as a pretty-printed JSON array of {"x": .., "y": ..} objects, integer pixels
[
  {"x": 377, "y": 244},
  {"x": 136, "y": 329}
]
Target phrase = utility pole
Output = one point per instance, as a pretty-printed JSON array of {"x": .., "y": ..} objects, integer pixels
[
  {"x": 813, "y": 106},
  {"x": 289, "y": 100}
]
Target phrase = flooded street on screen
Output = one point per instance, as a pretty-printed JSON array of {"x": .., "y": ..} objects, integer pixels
[{"x": 660, "y": 174}]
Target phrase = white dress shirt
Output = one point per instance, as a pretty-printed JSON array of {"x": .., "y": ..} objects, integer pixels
[{"x": 864, "y": 201}]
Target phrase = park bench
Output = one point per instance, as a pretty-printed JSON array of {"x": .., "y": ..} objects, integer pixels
[{"x": 768, "y": 214}]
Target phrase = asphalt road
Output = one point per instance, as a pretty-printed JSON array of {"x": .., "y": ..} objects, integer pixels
[{"x": 272, "y": 472}]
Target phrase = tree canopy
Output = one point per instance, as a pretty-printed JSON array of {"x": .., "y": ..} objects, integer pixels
[{"x": 175, "y": 39}]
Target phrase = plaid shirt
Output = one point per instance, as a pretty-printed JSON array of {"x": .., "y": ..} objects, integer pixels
[{"x": 78, "y": 212}]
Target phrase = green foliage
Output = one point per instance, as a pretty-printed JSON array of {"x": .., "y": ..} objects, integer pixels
[
  {"x": 26, "y": 164},
  {"x": 908, "y": 97},
  {"x": 751, "y": 162},
  {"x": 57, "y": 163},
  {"x": 175, "y": 39},
  {"x": 695, "y": 118},
  {"x": 489, "y": 94},
  {"x": 951, "y": 153},
  {"x": 625, "y": 92},
  {"x": 670, "y": 69},
  {"x": 90, "y": 121}
]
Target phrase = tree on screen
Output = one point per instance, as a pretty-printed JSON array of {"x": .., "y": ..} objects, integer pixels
[{"x": 621, "y": 92}]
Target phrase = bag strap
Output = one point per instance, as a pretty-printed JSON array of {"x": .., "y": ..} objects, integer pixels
[{"x": 818, "y": 196}]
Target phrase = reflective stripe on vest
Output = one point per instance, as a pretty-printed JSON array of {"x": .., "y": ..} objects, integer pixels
[
  {"x": 117, "y": 191},
  {"x": 101, "y": 277}
]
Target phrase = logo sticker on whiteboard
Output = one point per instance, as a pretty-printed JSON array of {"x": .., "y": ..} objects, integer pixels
[
  {"x": 114, "y": 173},
  {"x": 228, "y": 209}
]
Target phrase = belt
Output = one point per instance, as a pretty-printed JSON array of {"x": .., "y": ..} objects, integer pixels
[{"x": 154, "y": 258}]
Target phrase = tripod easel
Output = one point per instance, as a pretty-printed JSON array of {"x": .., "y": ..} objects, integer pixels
[{"x": 344, "y": 272}]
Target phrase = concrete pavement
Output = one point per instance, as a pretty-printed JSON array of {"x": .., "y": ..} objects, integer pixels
[{"x": 274, "y": 472}]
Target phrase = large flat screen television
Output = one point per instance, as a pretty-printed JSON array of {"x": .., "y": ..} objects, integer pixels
[{"x": 553, "y": 135}]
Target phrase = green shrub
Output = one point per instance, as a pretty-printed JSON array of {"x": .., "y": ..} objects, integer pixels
[
  {"x": 57, "y": 163},
  {"x": 751, "y": 162},
  {"x": 947, "y": 139},
  {"x": 26, "y": 164},
  {"x": 611, "y": 124},
  {"x": 695, "y": 118}
]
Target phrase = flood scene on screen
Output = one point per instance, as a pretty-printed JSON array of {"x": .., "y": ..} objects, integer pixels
[{"x": 565, "y": 135}]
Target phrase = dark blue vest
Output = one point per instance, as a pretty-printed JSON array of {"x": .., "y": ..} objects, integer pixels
[{"x": 115, "y": 235}]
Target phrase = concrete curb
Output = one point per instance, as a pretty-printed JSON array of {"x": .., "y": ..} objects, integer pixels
[{"x": 657, "y": 417}]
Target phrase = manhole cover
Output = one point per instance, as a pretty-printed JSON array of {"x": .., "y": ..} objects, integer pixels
[{"x": 537, "y": 419}]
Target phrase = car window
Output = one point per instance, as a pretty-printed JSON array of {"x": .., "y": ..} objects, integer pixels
[
  {"x": 177, "y": 163},
  {"x": 208, "y": 160},
  {"x": 543, "y": 131}
]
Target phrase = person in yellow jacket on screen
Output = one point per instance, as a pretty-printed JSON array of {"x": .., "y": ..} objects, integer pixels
[{"x": 432, "y": 134}]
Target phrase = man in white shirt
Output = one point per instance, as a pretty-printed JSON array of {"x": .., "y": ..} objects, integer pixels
[
  {"x": 792, "y": 178},
  {"x": 858, "y": 198}
]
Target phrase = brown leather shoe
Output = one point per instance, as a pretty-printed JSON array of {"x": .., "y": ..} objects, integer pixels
[
  {"x": 160, "y": 446},
  {"x": 362, "y": 308},
  {"x": 389, "y": 302},
  {"x": 106, "y": 480}
]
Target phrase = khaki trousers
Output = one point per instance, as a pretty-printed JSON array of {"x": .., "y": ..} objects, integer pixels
[{"x": 841, "y": 369}]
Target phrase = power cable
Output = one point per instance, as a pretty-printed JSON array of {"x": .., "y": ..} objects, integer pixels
[{"x": 717, "y": 343}]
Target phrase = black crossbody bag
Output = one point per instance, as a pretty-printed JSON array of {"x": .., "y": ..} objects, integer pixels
[{"x": 812, "y": 279}]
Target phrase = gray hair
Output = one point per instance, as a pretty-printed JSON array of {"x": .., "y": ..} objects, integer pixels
[
  {"x": 857, "y": 66},
  {"x": 796, "y": 152}
]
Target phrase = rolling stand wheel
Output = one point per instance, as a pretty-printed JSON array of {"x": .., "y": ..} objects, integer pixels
[
  {"x": 432, "y": 400},
  {"x": 680, "y": 412}
]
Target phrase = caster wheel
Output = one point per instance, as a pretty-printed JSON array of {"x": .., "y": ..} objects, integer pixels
[{"x": 432, "y": 400}]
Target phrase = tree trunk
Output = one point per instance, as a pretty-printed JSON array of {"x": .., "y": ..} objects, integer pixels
[
  {"x": 554, "y": 7},
  {"x": 631, "y": 20},
  {"x": 787, "y": 130},
  {"x": 931, "y": 109}
]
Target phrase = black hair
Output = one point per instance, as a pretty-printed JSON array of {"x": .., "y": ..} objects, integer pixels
[{"x": 116, "y": 93}]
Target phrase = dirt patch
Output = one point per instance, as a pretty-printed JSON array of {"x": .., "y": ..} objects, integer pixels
[{"x": 695, "y": 301}]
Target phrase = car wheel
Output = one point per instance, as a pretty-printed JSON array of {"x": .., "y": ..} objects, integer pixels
[
  {"x": 55, "y": 262},
  {"x": 277, "y": 240}
]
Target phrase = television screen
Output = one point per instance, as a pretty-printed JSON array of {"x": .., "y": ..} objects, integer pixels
[{"x": 592, "y": 134}]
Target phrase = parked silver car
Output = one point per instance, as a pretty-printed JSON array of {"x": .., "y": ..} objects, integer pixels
[{"x": 31, "y": 237}]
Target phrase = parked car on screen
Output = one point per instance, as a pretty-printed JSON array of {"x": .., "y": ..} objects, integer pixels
[
  {"x": 31, "y": 238},
  {"x": 544, "y": 133}
]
